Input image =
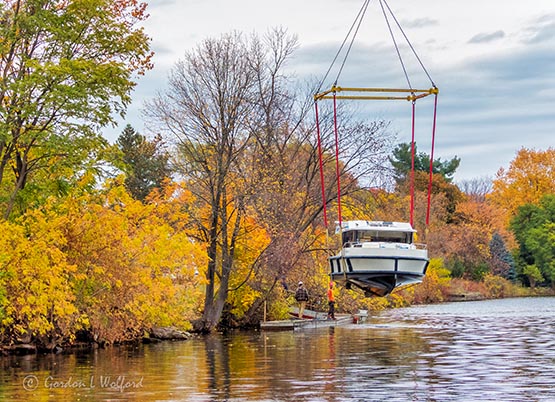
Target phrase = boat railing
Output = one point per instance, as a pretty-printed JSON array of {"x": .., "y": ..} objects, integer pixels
[{"x": 392, "y": 245}]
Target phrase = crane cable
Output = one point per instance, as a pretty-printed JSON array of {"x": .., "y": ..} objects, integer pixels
[
  {"x": 410, "y": 44},
  {"x": 355, "y": 25},
  {"x": 395, "y": 43},
  {"x": 413, "y": 97},
  {"x": 413, "y": 143},
  {"x": 357, "y": 22},
  {"x": 358, "y": 18}
]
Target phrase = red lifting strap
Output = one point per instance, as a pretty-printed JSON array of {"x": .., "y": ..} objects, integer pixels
[
  {"x": 412, "y": 166},
  {"x": 431, "y": 162},
  {"x": 322, "y": 183},
  {"x": 337, "y": 162}
]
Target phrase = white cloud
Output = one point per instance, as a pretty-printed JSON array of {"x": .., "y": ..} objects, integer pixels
[
  {"x": 487, "y": 37},
  {"x": 495, "y": 97},
  {"x": 542, "y": 29}
]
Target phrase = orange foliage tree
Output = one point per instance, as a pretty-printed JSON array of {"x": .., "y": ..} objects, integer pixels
[
  {"x": 529, "y": 177},
  {"x": 466, "y": 240},
  {"x": 136, "y": 265},
  {"x": 101, "y": 262}
]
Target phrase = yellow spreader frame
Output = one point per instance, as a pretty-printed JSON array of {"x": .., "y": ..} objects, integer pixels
[{"x": 414, "y": 94}]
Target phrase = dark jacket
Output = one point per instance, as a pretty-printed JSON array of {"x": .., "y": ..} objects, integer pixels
[{"x": 301, "y": 294}]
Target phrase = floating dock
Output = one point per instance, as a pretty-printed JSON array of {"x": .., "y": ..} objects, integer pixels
[
  {"x": 281, "y": 325},
  {"x": 311, "y": 319}
]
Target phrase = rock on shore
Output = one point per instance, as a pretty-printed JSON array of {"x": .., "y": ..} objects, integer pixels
[{"x": 168, "y": 333}]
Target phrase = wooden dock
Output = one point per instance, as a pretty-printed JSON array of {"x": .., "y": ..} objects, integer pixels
[
  {"x": 282, "y": 325},
  {"x": 315, "y": 322}
]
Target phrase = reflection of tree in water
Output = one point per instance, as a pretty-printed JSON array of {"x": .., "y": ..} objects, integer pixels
[
  {"x": 402, "y": 357},
  {"x": 243, "y": 366},
  {"x": 218, "y": 366},
  {"x": 454, "y": 352},
  {"x": 303, "y": 364},
  {"x": 282, "y": 365},
  {"x": 330, "y": 374}
]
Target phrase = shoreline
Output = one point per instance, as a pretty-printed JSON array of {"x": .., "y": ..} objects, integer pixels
[
  {"x": 155, "y": 335},
  {"x": 161, "y": 334}
]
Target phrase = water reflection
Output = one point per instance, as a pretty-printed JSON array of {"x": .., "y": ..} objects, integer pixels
[{"x": 487, "y": 351}]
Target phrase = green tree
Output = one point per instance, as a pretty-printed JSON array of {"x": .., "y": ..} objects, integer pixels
[
  {"x": 533, "y": 274},
  {"x": 66, "y": 67},
  {"x": 146, "y": 162},
  {"x": 541, "y": 243},
  {"x": 402, "y": 163},
  {"x": 534, "y": 230}
]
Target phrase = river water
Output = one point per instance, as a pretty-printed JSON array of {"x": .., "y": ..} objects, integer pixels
[{"x": 498, "y": 350}]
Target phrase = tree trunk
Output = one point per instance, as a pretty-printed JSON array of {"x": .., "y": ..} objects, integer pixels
[{"x": 21, "y": 172}]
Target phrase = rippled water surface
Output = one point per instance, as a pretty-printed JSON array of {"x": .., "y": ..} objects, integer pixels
[{"x": 499, "y": 350}]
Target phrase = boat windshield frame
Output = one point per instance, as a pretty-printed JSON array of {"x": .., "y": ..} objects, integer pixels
[{"x": 359, "y": 236}]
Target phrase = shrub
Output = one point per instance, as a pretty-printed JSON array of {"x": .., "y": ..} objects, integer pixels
[
  {"x": 498, "y": 287},
  {"x": 433, "y": 288}
]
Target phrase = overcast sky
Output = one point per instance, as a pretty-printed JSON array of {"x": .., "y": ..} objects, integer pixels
[{"x": 492, "y": 60}]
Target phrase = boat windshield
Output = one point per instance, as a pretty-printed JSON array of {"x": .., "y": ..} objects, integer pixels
[{"x": 364, "y": 236}]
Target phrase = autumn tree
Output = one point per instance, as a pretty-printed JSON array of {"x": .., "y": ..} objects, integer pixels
[
  {"x": 66, "y": 68},
  {"x": 99, "y": 262},
  {"x": 206, "y": 111},
  {"x": 37, "y": 302},
  {"x": 465, "y": 242},
  {"x": 135, "y": 265},
  {"x": 530, "y": 176},
  {"x": 145, "y": 162},
  {"x": 248, "y": 148}
]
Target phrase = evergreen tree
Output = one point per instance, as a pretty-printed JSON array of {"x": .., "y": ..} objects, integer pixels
[
  {"x": 502, "y": 262},
  {"x": 402, "y": 163},
  {"x": 146, "y": 162}
]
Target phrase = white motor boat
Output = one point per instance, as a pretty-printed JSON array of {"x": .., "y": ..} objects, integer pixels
[{"x": 378, "y": 257}]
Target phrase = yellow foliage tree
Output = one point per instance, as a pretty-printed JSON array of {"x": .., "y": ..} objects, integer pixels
[
  {"x": 99, "y": 261},
  {"x": 35, "y": 278},
  {"x": 530, "y": 176},
  {"x": 243, "y": 292},
  {"x": 136, "y": 267}
]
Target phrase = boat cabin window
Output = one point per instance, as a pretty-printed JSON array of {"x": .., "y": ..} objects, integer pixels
[
  {"x": 361, "y": 236},
  {"x": 349, "y": 238}
]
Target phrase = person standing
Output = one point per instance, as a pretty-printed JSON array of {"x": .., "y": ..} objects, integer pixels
[
  {"x": 301, "y": 296},
  {"x": 331, "y": 303}
]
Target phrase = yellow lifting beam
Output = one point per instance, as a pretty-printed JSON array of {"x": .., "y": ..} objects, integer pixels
[{"x": 412, "y": 97}]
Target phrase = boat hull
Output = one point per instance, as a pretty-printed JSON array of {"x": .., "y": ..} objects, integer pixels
[{"x": 378, "y": 271}]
